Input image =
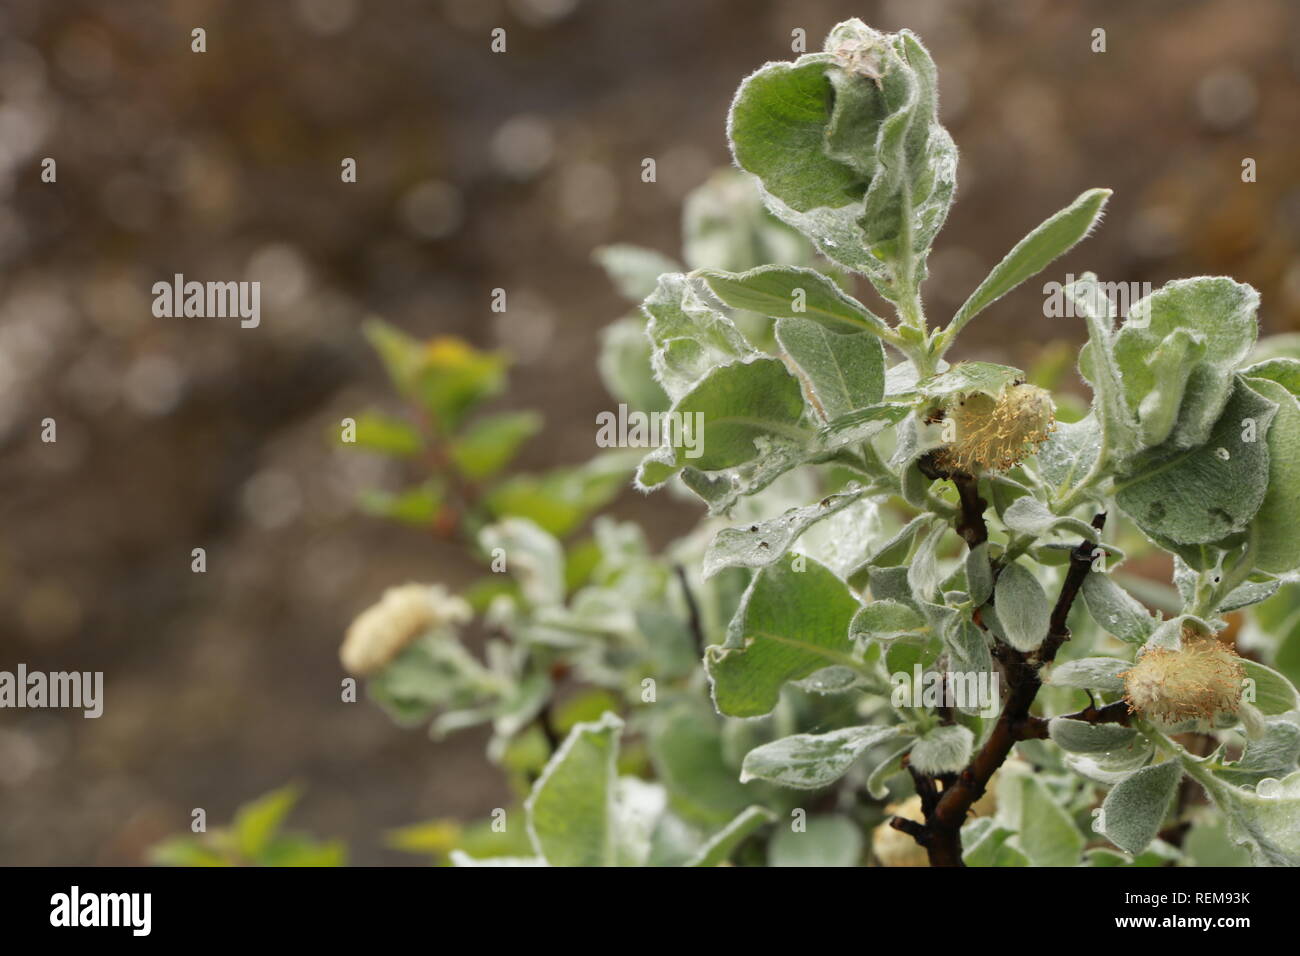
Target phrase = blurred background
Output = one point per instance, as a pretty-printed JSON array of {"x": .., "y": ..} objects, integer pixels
[{"x": 476, "y": 171}]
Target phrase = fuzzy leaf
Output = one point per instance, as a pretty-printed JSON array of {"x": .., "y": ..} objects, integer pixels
[
  {"x": 775, "y": 290},
  {"x": 723, "y": 843},
  {"x": 1091, "y": 673},
  {"x": 813, "y": 761},
  {"x": 1265, "y": 820},
  {"x": 1202, "y": 494},
  {"x": 634, "y": 270},
  {"x": 1274, "y": 528},
  {"x": 1030, "y": 516},
  {"x": 883, "y": 620},
  {"x": 1136, "y": 806},
  {"x": 739, "y": 404},
  {"x": 1081, "y": 737},
  {"x": 1099, "y": 368},
  {"x": 1048, "y": 836},
  {"x": 624, "y": 365},
  {"x": 943, "y": 749},
  {"x": 1032, "y": 254},
  {"x": 831, "y": 840},
  {"x": 689, "y": 337},
  {"x": 979, "y": 574},
  {"x": 789, "y": 625},
  {"x": 758, "y": 545},
  {"x": 1022, "y": 608},
  {"x": 849, "y": 151},
  {"x": 1217, "y": 314},
  {"x": 570, "y": 810},
  {"x": 843, "y": 372},
  {"x": 1116, "y": 611},
  {"x": 1273, "y": 693}
]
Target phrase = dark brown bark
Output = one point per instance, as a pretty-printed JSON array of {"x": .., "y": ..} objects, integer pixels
[{"x": 946, "y": 810}]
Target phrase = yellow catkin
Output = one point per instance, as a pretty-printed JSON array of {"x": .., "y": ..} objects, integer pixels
[
  {"x": 385, "y": 629},
  {"x": 994, "y": 434},
  {"x": 1199, "y": 682}
]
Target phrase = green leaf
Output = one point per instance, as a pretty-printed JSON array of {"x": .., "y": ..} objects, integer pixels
[
  {"x": 489, "y": 444},
  {"x": 738, "y": 404},
  {"x": 979, "y": 574},
  {"x": 1022, "y": 608},
  {"x": 419, "y": 506},
  {"x": 1081, "y": 737},
  {"x": 1265, "y": 820},
  {"x": 790, "y": 623},
  {"x": 813, "y": 761},
  {"x": 1135, "y": 808},
  {"x": 1203, "y": 494},
  {"x": 686, "y": 747},
  {"x": 842, "y": 373},
  {"x": 966, "y": 378},
  {"x": 1090, "y": 673},
  {"x": 1217, "y": 313},
  {"x": 1284, "y": 371},
  {"x": 447, "y": 376},
  {"x": 1047, "y": 835},
  {"x": 969, "y": 652},
  {"x": 1272, "y": 692},
  {"x": 560, "y": 500},
  {"x": 850, "y": 152},
  {"x": 532, "y": 555},
  {"x": 943, "y": 749},
  {"x": 1099, "y": 368},
  {"x": 634, "y": 270},
  {"x": 777, "y": 131},
  {"x": 186, "y": 851},
  {"x": 726, "y": 226},
  {"x": 884, "y": 620},
  {"x": 571, "y": 808},
  {"x": 388, "y": 436},
  {"x": 792, "y": 292},
  {"x": 1068, "y": 454},
  {"x": 624, "y": 365},
  {"x": 256, "y": 824},
  {"x": 859, "y": 426},
  {"x": 721, "y": 490},
  {"x": 1116, "y": 611},
  {"x": 1277, "y": 545},
  {"x": 1032, "y": 254},
  {"x": 758, "y": 545},
  {"x": 723, "y": 843},
  {"x": 1029, "y": 516},
  {"x": 981, "y": 839},
  {"x": 1274, "y": 753},
  {"x": 830, "y": 840},
  {"x": 689, "y": 337}
]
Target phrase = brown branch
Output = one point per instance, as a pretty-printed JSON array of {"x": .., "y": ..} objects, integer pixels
[
  {"x": 942, "y": 829},
  {"x": 692, "y": 609},
  {"x": 1080, "y": 564},
  {"x": 970, "y": 519},
  {"x": 1035, "y": 728}
]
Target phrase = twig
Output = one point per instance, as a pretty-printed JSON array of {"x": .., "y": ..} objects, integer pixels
[
  {"x": 692, "y": 609},
  {"x": 942, "y": 829},
  {"x": 1035, "y": 728}
]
